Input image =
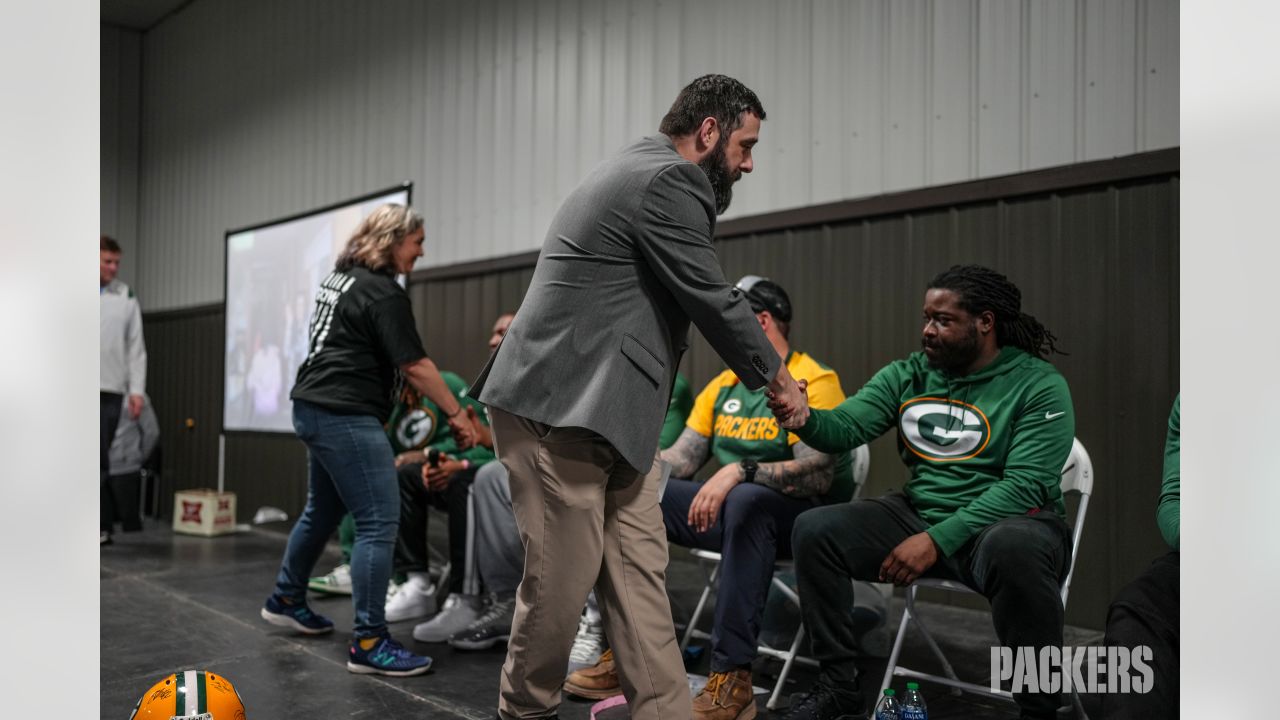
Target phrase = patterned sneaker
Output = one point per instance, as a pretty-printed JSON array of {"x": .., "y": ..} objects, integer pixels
[
  {"x": 588, "y": 645},
  {"x": 493, "y": 627},
  {"x": 386, "y": 657},
  {"x": 458, "y": 613},
  {"x": 337, "y": 582},
  {"x": 295, "y": 616}
]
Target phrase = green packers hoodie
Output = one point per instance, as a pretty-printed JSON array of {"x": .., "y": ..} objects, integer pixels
[{"x": 979, "y": 448}]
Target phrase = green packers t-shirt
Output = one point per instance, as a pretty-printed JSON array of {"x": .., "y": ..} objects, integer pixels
[
  {"x": 416, "y": 423},
  {"x": 741, "y": 425}
]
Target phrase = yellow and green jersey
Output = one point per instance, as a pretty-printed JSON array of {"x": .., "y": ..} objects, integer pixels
[
  {"x": 740, "y": 424},
  {"x": 980, "y": 448},
  {"x": 417, "y": 423}
]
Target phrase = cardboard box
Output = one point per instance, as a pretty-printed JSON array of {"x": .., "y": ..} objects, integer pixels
[{"x": 204, "y": 512}]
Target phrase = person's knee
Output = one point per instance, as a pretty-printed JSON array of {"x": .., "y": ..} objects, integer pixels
[
  {"x": 814, "y": 528},
  {"x": 747, "y": 508},
  {"x": 1022, "y": 552}
]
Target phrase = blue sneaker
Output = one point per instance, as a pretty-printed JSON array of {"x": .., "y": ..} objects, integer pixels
[
  {"x": 388, "y": 657},
  {"x": 295, "y": 616}
]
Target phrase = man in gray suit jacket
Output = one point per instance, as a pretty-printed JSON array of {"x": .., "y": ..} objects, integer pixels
[{"x": 579, "y": 386}]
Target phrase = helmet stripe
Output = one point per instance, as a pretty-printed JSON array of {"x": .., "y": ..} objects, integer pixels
[
  {"x": 180, "y": 693},
  {"x": 202, "y": 700}
]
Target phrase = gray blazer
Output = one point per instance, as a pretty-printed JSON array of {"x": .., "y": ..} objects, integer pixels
[{"x": 626, "y": 264}]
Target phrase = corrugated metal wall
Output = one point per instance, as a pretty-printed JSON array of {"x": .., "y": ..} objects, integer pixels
[
  {"x": 119, "y": 121},
  {"x": 496, "y": 108},
  {"x": 1097, "y": 265}
]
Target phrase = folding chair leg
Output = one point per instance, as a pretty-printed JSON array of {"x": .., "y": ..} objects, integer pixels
[
  {"x": 702, "y": 605},
  {"x": 933, "y": 645},
  {"x": 897, "y": 647},
  {"x": 786, "y": 668}
]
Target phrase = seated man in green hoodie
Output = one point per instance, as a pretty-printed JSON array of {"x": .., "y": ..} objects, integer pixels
[
  {"x": 984, "y": 425},
  {"x": 1145, "y": 612}
]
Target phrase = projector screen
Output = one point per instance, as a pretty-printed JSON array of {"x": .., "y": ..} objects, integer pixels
[{"x": 272, "y": 274}]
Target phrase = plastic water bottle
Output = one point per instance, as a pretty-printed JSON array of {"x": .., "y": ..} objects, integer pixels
[
  {"x": 913, "y": 707},
  {"x": 888, "y": 709}
]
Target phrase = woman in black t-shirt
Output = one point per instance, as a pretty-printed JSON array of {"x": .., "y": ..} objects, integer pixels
[{"x": 363, "y": 346}]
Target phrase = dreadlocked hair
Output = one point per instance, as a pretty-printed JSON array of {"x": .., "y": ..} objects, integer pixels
[{"x": 982, "y": 289}]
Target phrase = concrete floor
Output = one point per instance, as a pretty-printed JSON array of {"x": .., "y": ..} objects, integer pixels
[{"x": 171, "y": 602}]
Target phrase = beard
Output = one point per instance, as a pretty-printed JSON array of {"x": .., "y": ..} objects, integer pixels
[
  {"x": 954, "y": 357},
  {"x": 716, "y": 168}
]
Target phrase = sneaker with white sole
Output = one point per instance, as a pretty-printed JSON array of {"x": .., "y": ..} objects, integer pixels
[
  {"x": 337, "y": 582},
  {"x": 491, "y": 628},
  {"x": 295, "y": 615},
  {"x": 386, "y": 657},
  {"x": 458, "y": 613},
  {"x": 588, "y": 645},
  {"x": 414, "y": 598}
]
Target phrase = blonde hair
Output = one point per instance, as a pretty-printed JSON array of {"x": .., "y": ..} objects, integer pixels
[{"x": 372, "y": 245}]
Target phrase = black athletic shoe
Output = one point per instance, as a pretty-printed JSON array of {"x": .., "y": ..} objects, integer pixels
[{"x": 824, "y": 702}]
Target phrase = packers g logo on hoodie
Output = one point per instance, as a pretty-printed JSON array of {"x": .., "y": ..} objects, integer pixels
[{"x": 943, "y": 430}]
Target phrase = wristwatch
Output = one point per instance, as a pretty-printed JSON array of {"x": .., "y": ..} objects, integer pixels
[{"x": 749, "y": 468}]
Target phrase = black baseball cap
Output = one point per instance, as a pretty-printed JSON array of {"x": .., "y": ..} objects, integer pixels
[{"x": 764, "y": 294}]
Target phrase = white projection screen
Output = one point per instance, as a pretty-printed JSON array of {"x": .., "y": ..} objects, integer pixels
[{"x": 272, "y": 274}]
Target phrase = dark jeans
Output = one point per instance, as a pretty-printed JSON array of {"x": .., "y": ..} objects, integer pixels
[
  {"x": 1146, "y": 612},
  {"x": 752, "y": 530},
  {"x": 1018, "y": 563},
  {"x": 349, "y": 467},
  {"x": 126, "y": 493},
  {"x": 109, "y": 417},
  {"x": 415, "y": 500}
]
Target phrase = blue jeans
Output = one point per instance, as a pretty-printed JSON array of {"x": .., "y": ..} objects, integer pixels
[{"x": 350, "y": 468}]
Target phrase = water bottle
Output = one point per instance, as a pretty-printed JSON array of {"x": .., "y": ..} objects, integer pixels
[
  {"x": 913, "y": 707},
  {"x": 888, "y": 709}
]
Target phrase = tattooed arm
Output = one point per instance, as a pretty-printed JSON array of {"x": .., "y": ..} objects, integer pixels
[
  {"x": 808, "y": 474},
  {"x": 688, "y": 453}
]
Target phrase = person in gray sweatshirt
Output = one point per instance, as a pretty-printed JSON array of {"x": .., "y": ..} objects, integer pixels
[{"x": 123, "y": 363}]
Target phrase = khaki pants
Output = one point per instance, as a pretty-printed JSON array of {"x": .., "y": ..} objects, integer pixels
[{"x": 586, "y": 519}]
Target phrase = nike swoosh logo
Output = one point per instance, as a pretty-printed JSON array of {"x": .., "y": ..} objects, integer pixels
[{"x": 1050, "y": 416}]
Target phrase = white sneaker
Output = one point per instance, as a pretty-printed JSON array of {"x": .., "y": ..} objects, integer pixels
[
  {"x": 337, "y": 582},
  {"x": 415, "y": 598},
  {"x": 588, "y": 645},
  {"x": 458, "y": 613}
]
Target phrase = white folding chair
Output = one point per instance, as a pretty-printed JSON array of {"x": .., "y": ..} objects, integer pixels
[
  {"x": 710, "y": 563},
  {"x": 1077, "y": 477}
]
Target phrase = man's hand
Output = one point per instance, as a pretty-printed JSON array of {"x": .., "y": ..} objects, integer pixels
[
  {"x": 483, "y": 435},
  {"x": 909, "y": 560},
  {"x": 792, "y": 411},
  {"x": 464, "y": 433},
  {"x": 710, "y": 498},
  {"x": 410, "y": 456},
  {"x": 135, "y": 406},
  {"x": 437, "y": 478}
]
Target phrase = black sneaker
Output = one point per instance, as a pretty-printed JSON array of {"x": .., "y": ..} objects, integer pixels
[
  {"x": 491, "y": 628},
  {"x": 824, "y": 702}
]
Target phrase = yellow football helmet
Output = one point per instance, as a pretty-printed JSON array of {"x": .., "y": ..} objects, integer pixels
[{"x": 190, "y": 695}]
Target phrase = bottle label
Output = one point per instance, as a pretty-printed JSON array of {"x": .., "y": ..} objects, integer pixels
[{"x": 913, "y": 713}]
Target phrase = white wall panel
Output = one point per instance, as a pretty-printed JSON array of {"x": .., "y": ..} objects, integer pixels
[
  {"x": 497, "y": 108},
  {"x": 118, "y": 140}
]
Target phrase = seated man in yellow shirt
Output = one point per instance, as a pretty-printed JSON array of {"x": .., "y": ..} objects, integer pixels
[{"x": 745, "y": 511}]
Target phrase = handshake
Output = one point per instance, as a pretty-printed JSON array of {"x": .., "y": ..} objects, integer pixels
[{"x": 788, "y": 399}]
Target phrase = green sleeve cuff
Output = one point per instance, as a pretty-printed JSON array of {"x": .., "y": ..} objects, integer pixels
[{"x": 950, "y": 535}]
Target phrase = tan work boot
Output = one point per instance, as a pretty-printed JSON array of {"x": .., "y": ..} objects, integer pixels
[
  {"x": 597, "y": 682},
  {"x": 727, "y": 696}
]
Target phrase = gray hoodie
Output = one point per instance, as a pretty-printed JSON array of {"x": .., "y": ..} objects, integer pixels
[
  {"x": 135, "y": 439},
  {"x": 123, "y": 354}
]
